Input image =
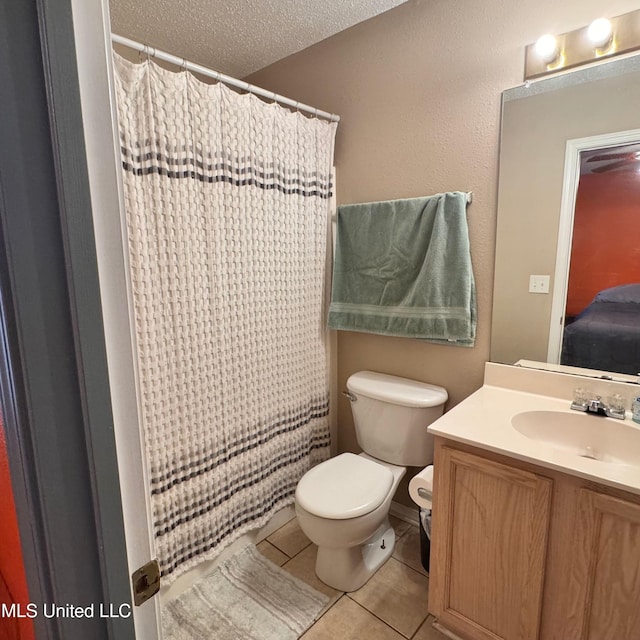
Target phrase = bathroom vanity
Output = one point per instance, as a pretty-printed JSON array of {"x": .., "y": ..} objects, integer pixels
[{"x": 535, "y": 537}]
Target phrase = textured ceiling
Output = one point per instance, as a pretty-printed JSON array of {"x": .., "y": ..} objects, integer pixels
[{"x": 238, "y": 37}]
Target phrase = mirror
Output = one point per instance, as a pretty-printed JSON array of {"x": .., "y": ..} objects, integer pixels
[{"x": 538, "y": 120}]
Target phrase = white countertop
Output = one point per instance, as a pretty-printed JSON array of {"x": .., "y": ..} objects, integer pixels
[{"x": 483, "y": 420}]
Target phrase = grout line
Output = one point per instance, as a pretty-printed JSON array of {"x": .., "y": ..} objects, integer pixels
[
  {"x": 379, "y": 618},
  {"x": 324, "y": 613},
  {"x": 273, "y": 546},
  {"x": 373, "y": 614},
  {"x": 406, "y": 564},
  {"x": 421, "y": 625},
  {"x": 329, "y": 605},
  {"x": 282, "y": 550},
  {"x": 403, "y": 561},
  {"x": 291, "y": 557}
]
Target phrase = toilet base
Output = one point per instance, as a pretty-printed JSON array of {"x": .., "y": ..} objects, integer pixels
[{"x": 347, "y": 569}]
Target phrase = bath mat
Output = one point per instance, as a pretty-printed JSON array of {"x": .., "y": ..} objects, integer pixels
[{"x": 245, "y": 598}]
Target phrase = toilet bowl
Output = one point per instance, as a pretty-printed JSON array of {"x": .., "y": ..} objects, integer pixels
[
  {"x": 353, "y": 535},
  {"x": 342, "y": 504}
]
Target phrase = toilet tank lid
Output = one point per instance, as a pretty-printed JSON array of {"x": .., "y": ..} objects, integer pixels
[{"x": 409, "y": 393}]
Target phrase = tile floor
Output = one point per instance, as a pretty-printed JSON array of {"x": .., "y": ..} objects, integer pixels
[{"x": 391, "y": 606}]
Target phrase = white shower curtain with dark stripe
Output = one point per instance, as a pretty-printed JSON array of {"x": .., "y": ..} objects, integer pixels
[{"x": 227, "y": 214}]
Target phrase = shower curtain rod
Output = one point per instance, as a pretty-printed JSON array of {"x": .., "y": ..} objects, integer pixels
[{"x": 221, "y": 77}]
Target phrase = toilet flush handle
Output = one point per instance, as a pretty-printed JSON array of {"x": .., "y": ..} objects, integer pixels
[{"x": 351, "y": 396}]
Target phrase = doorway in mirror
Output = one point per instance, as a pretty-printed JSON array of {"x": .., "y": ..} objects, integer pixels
[{"x": 600, "y": 306}]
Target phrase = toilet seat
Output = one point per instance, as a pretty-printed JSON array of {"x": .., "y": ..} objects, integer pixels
[{"x": 343, "y": 487}]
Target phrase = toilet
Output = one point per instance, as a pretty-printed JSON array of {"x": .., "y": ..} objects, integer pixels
[{"x": 342, "y": 504}]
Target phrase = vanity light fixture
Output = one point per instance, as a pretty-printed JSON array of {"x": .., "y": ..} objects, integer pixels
[
  {"x": 600, "y": 33},
  {"x": 547, "y": 48},
  {"x": 603, "y": 38}
]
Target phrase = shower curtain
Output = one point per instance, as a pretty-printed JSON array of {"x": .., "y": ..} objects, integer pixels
[{"x": 227, "y": 216}]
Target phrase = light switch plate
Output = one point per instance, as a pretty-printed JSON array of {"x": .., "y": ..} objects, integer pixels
[{"x": 539, "y": 284}]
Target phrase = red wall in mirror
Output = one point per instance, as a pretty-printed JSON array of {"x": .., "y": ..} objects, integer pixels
[
  {"x": 13, "y": 583},
  {"x": 605, "y": 251}
]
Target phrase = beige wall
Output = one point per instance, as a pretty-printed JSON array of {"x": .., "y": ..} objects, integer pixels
[{"x": 418, "y": 90}]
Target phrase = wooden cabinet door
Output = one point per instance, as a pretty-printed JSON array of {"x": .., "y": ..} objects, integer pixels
[
  {"x": 489, "y": 538},
  {"x": 604, "y": 584}
]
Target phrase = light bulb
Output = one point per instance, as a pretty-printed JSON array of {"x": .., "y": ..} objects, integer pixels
[
  {"x": 599, "y": 32},
  {"x": 547, "y": 48}
]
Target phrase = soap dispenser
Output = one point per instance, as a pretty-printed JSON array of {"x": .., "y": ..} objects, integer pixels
[{"x": 635, "y": 409}]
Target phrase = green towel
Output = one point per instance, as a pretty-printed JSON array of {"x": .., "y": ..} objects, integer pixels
[{"x": 403, "y": 268}]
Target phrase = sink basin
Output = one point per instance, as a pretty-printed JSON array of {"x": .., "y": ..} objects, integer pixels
[{"x": 581, "y": 434}]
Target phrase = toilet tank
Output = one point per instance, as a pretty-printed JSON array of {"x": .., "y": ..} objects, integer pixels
[{"x": 391, "y": 416}]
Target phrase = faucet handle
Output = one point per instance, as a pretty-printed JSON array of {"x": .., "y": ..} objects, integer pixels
[
  {"x": 616, "y": 407},
  {"x": 580, "y": 395},
  {"x": 580, "y": 399},
  {"x": 616, "y": 402}
]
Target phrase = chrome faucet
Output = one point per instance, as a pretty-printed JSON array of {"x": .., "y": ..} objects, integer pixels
[{"x": 597, "y": 407}]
